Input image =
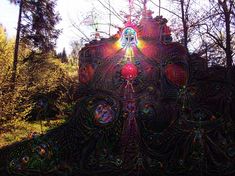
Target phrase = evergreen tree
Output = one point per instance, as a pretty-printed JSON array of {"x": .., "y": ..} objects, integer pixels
[
  {"x": 38, "y": 29},
  {"x": 64, "y": 57},
  {"x": 38, "y": 24}
]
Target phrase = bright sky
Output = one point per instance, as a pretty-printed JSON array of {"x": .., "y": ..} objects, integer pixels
[{"x": 71, "y": 11}]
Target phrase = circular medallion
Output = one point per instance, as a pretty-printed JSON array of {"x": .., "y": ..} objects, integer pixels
[{"x": 103, "y": 113}]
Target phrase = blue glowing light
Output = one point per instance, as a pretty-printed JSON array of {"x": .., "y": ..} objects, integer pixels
[{"x": 129, "y": 37}]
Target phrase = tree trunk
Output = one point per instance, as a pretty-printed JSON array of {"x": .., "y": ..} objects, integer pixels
[
  {"x": 184, "y": 25},
  {"x": 228, "y": 40},
  {"x": 15, "y": 59},
  {"x": 227, "y": 13}
]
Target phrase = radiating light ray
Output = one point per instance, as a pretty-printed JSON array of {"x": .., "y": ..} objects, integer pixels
[{"x": 140, "y": 44}]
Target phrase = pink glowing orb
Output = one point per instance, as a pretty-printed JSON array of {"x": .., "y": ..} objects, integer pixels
[{"x": 129, "y": 71}]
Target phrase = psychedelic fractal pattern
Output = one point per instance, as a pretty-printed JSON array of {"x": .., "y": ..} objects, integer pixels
[{"x": 143, "y": 109}]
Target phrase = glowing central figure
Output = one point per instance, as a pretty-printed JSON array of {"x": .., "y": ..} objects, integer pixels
[{"x": 129, "y": 37}]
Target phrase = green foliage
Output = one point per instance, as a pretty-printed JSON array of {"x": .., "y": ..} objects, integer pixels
[
  {"x": 44, "y": 87},
  {"x": 6, "y": 55}
]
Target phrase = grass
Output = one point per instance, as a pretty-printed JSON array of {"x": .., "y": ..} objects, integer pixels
[{"x": 18, "y": 130}]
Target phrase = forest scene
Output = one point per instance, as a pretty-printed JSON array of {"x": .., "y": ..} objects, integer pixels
[{"x": 117, "y": 87}]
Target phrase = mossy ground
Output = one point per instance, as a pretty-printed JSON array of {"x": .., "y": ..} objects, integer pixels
[{"x": 17, "y": 130}]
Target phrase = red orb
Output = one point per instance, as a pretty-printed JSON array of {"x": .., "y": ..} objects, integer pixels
[
  {"x": 176, "y": 74},
  {"x": 129, "y": 71}
]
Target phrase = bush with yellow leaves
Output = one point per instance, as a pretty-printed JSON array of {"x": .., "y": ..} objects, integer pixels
[{"x": 43, "y": 87}]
